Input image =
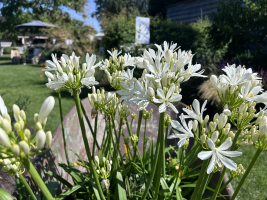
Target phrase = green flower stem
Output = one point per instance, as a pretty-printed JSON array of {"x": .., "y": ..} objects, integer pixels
[
  {"x": 144, "y": 143},
  {"x": 95, "y": 133},
  {"x": 138, "y": 130},
  {"x": 200, "y": 180},
  {"x": 90, "y": 126},
  {"x": 161, "y": 157},
  {"x": 86, "y": 145},
  {"x": 156, "y": 155},
  {"x": 217, "y": 189},
  {"x": 119, "y": 137},
  {"x": 164, "y": 142},
  {"x": 62, "y": 126},
  {"x": 22, "y": 179},
  {"x": 258, "y": 152},
  {"x": 36, "y": 178}
]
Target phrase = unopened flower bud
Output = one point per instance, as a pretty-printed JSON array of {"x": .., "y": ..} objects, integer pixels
[
  {"x": 48, "y": 138},
  {"x": 46, "y": 108},
  {"x": 21, "y": 123},
  {"x": 263, "y": 121},
  {"x": 17, "y": 126},
  {"x": 108, "y": 167},
  {"x": 195, "y": 125},
  {"x": 16, "y": 149},
  {"x": 213, "y": 80},
  {"x": 203, "y": 138},
  {"x": 222, "y": 121},
  {"x": 16, "y": 110},
  {"x": 212, "y": 126},
  {"x": 97, "y": 160},
  {"x": 40, "y": 139},
  {"x": 216, "y": 116},
  {"x": 215, "y": 136},
  {"x": 35, "y": 117},
  {"x": 104, "y": 159},
  {"x": 227, "y": 112},
  {"x": 168, "y": 55},
  {"x": 103, "y": 171},
  {"x": 4, "y": 139},
  {"x": 242, "y": 108},
  {"x": 263, "y": 130},
  {"x": 22, "y": 115},
  {"x": 206, "y": 119},
  {"x": 225, "y": 131},
  {"x": 24, "y": 147},
  {"x": 231, "y": 134},
  {"x": 255, "y": 138},
  {"x": 6, "y": 125},
  {"x": 6, "y": 116},
  {"x": 133, "y": 115},
  {"x": 71, "y": 78},
  {"x": 38, "y": 126},
  {"x": 151, "y": 92},
  {"x": 27, "y": 133}
]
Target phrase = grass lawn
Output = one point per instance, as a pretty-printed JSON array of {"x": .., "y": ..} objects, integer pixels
[{"x": 28, "y": 80}]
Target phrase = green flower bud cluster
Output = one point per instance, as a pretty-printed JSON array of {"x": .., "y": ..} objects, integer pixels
[
  {"x": 238, "y": 172},
  {"x": 242, "y": 115},
  {"x": 134, "y": 138},
  {"x": 124, "y": 110},
  {"x": 133, "y": 115},
  {"x": 147, "y": 114},
  {"x": 98, "y": 99},
  {"x": 10, "y": 165},
  {"x": 167, "y": 120},
  {"x": 103, "y": 171},
  {"x": 246, "y": 137}
]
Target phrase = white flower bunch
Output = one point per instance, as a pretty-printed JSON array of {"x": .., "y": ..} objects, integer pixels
[
  {"x": 163, "y": 73},
  {"x": 103, "y": 172},
  {"x": 10, "y": 165},
  {"x": 238, "y": 85},
  {"x": 67, "y": 73},
  {"x": 16, "y": 147}
]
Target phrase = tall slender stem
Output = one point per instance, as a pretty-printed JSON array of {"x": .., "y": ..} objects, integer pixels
[
  {"x": 144, "y": 143},
  {"x": 217, "y": 189},
  {"x": 258, "y": 152},
  {"x": 87, "y": 148},
  {"x": 95, "y": 133},
  {"x": 155, "y": 160},
  {"x": 36, "y": 178},
  {"x": 200, "y": 179},
  {"x": 164, "y": 142},
  {"x": 161, "y": 158},
  {"x": 22, "y": 179},
  {"x": 138, "y": 129},
  {"x": 62, "y": 126}
]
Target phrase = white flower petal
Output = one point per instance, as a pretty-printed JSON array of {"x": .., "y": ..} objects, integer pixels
[
  {"x": 162, "y": 108},
  {"x": 227, "y": 162},
  {"x": 204, "y": 155},
  {"x": 226, "y": 145},
  {"x": 211, "y": 144},
  {"x": 212, "y": 163},
  {"x": 231, "y": 153}
]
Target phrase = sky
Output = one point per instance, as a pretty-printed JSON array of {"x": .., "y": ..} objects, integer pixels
[{"x": 92, "y": 21}]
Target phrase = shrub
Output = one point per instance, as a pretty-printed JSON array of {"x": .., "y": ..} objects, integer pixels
[{"x": 7, "y": 50}]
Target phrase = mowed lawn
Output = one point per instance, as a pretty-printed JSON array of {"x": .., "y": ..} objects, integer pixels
[{"x": 28, "y": 80}]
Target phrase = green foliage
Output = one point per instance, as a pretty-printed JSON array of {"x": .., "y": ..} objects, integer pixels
[
  {"x": 166, "y": 30},
  {"x": 4, "y": 195},
  {"x": 119, "y": 31},
  {"x": 21, "y": 11},
  {"x": 243, "y": 23},
  {"x": 7, "y": 50}
]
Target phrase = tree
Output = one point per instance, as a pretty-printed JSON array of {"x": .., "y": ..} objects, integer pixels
[
  {"x": 243, "y": 22},
  {"x": 21, "y": 11}
]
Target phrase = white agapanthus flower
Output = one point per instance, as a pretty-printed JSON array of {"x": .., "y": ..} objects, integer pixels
[
  {"x": 184, "y": 128},
  {"x": 128, "y": 60},
  {"x": 250, "y": 93},
  {"x": 127, "y": 75},
  {"x": 158, "y": 71},
  {"x": 192, "y": 70},
  {"x": 3, "y": 108},
  {"x": 218, "y": 83},
  {"x": 167, "y": 47},
  {"x": 167, "y": 100},
  {"x": 114, "y": 54},
  {"x": 218, "y": 155},
  {"x": 195, "y": 112},
  {"x": 58, "y": 81},
  {"x": 236, "y": 75}
]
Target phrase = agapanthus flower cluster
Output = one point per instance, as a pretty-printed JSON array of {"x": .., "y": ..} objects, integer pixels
[
  {"x": 66, "y": 73},
  {"x": 164, "y": 71},
  {"x": 238, "y": 172},
  {"x": 18, "y": 142},
  {"x": 114, "y": 67},
  {"x": 238, "y": 85},
  {"x": 215, "y": 137}
]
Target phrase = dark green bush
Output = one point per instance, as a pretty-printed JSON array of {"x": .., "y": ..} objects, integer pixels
[{"x": 7, "y": 50}]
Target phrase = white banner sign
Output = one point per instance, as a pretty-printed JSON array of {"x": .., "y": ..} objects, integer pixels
[{"x": 142, "y": 35}]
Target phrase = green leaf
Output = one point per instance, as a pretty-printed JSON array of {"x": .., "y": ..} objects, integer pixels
[
  {"x": 70, "y": 191},
  {"x": 92, "y": 182},
  {"x": 75, "y": 173},
  {"x": 4, "y": 195},
  {"x": 52, "y": 187},
  {"x": 165, "y": 187},
  {"x": 121, "y": 187},
  {"x": 57, "y": 177}
]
